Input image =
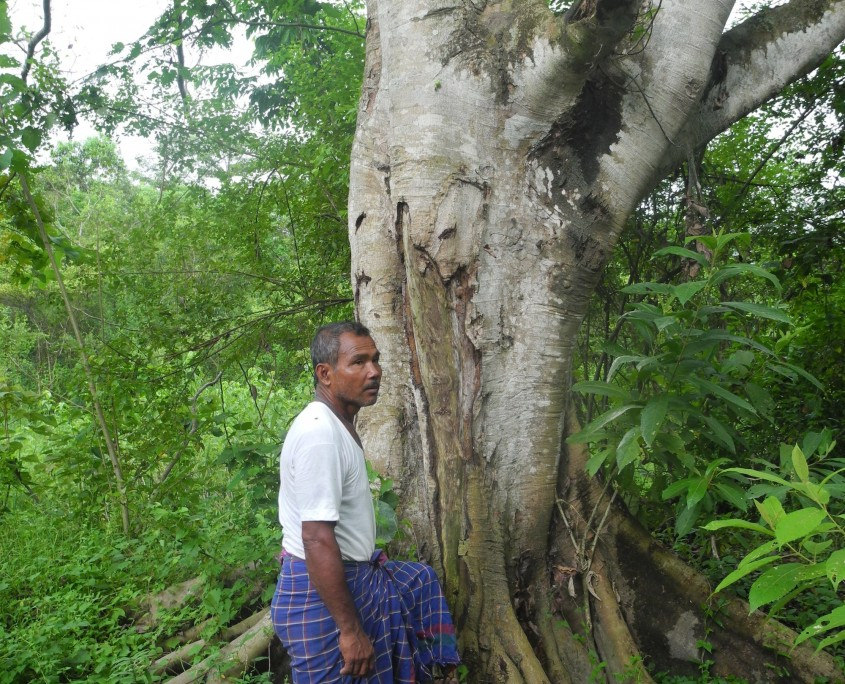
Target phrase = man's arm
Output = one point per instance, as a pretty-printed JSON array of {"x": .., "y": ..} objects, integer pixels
[{"x": 325, "y": 569}]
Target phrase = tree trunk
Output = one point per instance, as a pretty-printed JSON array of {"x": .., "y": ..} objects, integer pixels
[{"x": 499, "y": 151}]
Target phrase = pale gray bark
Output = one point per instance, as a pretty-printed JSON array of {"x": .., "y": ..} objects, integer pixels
[{"x": 499, "y": 151}]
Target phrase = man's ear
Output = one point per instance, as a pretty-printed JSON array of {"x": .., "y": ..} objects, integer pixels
[{"x": 323, "y": 372}]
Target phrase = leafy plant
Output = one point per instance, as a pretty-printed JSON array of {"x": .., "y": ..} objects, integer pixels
[
  {"x": 801, "y": 521},
  {"x": 676, "y": 405}
]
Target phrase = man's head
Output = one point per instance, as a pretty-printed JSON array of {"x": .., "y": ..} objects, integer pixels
[{"x": 346, "y": 366}]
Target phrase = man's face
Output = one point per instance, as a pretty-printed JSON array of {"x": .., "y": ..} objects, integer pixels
[{"x": 356, "y": 377}]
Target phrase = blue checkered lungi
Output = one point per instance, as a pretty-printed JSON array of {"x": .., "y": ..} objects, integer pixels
[{"x": 401, "y": 607}]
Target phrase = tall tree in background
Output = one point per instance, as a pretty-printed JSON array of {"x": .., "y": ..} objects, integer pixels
[{"x": 500, "y": 148}]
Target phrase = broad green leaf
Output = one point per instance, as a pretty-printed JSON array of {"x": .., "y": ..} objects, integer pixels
[
  {"x": 774, "y": 583},
  {"x": 687, "y": 291},
  {"x": 604, "y": 389},
  {"x": 589, "y": 431},
  {"x": 5, "y": 159},
  {"x": 831, "y": 620},
  {"x": 5, "y": 23},
  {"x": 596, "y": 460},
  {"x": 815, "y": 547},
  {"x": 789, "y": 370},
  {"x": 760, "y": 310},
  {"x": 628, "y": 448},
  {"x": 831, "y": 640},
  {"x": 760, "y": 398},
  {"x": 759, "y": 474},
  {"x": 744, "y": 570},
  {"x": 714, "y": 525},
  {"x": 811, "y": 442},
  {"x": 682, "y": 252},
  {"x": 685, "y": 521},
  {"x": 735, "y": 270},
  {"x": 619, "y": 361},
  {"x": 797, "y": 524},
  {"x": 724, "y": 239},
  {"x": 727, "y": 395},
  {"x": 771, "y": 510},
  {"x": 800, "y": 464},
  {"x": 760, "y": 551},
  {"x": 696, "y": 492},
  {"x": 17, "y": 83},
  {"x": 652, "y": 416},
  {"x": 721, "y": 433},
  {"x": 835, "y": 567},
  {"x": 676, "y": 488},
  {"x": 732, "y": 494},
  {"x": 813, "y": 491},
  {"x": 31, "y": 138}
]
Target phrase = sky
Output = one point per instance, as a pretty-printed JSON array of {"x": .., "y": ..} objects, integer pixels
[{"x": 83, "y": 32}]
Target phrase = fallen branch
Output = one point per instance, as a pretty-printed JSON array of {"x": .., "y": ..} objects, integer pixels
[
  {"x": 235, "y": 658},
  {"x": 179, "y": 657}
]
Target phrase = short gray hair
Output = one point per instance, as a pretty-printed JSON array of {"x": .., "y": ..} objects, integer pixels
[{"x": 326, "y": 342}]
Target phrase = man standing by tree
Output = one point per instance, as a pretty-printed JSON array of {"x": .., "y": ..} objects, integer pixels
[{"x": 341, "y": 608}]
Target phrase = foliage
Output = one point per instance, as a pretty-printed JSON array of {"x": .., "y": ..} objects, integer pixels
[
  {"x": 676, "y": 406},
  {"x": 801, "y": 522}
]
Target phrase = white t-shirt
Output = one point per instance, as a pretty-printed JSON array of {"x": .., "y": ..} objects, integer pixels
[{"x": 323, "y": 476}]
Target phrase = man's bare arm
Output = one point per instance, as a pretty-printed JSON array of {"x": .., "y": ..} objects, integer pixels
[{"x": 325, "y": 569}]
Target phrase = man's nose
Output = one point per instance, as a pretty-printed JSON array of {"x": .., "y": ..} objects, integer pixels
[{"x": 374, "y": 370}]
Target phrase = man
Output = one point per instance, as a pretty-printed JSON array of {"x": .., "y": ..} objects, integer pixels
[{"x": 341, "y": 609}]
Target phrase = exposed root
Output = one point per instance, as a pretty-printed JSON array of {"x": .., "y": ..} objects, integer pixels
[{"x": 735, "y": 621}]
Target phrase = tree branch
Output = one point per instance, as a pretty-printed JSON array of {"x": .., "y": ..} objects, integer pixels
[
  {"x": 756, "y": 60},
  {"x": 36, "y": 39}
]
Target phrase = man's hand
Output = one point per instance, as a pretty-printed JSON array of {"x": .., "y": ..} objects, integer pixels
[
  {"x": 357, "y": 653},
  {"x": 325, "y": 568}
]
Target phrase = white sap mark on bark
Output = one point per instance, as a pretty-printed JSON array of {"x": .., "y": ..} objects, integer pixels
[{"x": 682, "y": 638}]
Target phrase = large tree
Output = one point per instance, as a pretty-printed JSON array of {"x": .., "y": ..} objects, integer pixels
[{"x": 500, "y": 148}]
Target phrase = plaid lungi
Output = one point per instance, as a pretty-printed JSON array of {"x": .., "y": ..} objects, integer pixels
[{"x": 401, "y": 607}]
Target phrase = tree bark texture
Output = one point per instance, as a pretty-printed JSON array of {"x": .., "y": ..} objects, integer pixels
[{"x": 499, "y": 151}]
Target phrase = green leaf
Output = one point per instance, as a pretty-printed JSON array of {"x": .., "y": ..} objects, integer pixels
[
  {"x": 618, "y": 361},
  {"x": 652, "y": 416},
  {"x": 676, "y": 488},
  {"x": 721, "y": 433},
  {"x": 17, "y": 83},
  {"x": 587, "y": 432},
  {"x": 604, "y": 389},
  {"x": 696, "y": 491},
  {"x": 831, "y": 620},
  {"x": 735, "y": 270},
  {"x": 596, "y": 460},
  {"x": 796, "y": 524},
  {"x": 815, "y": 547},
  {"x": 800, "y": 464},
  {"x": 628, "y": 448},
  {"x": 31, "y": 138},
  {"x": 682, "y": 252},
  {"x": 687, "y": 291},
  {"x": 714, "y": 525},
  {"x": 835, "y": 567},
  {"x": 799, "y": 371},
  {"x": 6, "y": 159},
  {"x": 5, "y": 23},
  {"x": 744, "y": 570},
  {"x": 773, "y": 584},
  {"x": 727, "y": 395},
  {"x": 760, "y": 310},
  {"x": 771, "y": 510},
  {"x": 733, "y": 495},
  {"x": 685, "y": 521},
  {"x": 759, "y": 474}
]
